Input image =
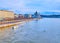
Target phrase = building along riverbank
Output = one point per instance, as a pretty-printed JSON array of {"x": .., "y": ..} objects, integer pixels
[{"x": 13, "y": 22}]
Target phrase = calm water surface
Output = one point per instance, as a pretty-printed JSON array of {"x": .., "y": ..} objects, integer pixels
[{"x": 46, "y": 30}]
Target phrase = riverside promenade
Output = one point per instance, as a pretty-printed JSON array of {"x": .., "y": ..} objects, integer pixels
[{"x": 13, "y": 22}]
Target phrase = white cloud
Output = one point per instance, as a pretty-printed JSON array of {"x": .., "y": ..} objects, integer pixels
[{"x": 31, "y": 5}]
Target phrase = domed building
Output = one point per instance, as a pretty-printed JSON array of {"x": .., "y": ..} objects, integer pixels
[{"x": 37, "y": 15}]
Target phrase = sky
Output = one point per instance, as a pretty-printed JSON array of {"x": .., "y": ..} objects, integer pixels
[{"x": 30, "y": 6}]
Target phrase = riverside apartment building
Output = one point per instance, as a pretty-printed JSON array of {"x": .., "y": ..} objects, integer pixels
[{"x": 6, "y": 14}]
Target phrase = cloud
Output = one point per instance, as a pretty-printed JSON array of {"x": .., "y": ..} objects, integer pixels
[{"x": 30, "y": 5}]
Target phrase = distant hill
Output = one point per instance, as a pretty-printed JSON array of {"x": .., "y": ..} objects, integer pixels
[
  {"x": 50, "y": 16},
  {"x": 50, "y": 13}
]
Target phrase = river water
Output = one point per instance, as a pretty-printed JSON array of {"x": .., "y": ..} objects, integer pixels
[{"x": 45, "y": 30}]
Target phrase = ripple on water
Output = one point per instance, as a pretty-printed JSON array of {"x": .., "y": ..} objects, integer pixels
[{"x": 43, "y": 31}]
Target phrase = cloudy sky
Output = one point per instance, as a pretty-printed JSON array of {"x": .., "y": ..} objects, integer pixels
[{"x": 29, "y": 6}]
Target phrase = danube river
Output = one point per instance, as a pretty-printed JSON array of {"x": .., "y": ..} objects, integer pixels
[{"x": 45, "y": 30}]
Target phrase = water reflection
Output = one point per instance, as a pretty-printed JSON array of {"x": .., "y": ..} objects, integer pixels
[
  {"x": 46, "y": 30},
  {"x": 15, "y": 27},
  {"x": 4, "y": 28},
  {"x": 11, "y": 27}
]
